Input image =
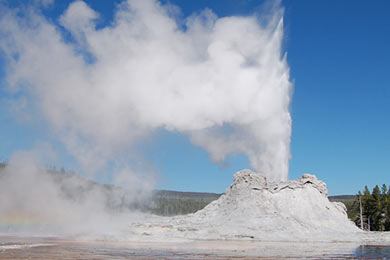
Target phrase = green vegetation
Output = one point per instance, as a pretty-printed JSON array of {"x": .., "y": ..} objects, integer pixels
[
  {"x": 171, "y": 207},
  {"x": 342, "y": 198},
  {"x": 375, "y": 207},
  {"x": 170, "y": 203}
]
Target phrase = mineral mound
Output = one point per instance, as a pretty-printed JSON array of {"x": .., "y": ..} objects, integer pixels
[{"x": 255, "y": 209}]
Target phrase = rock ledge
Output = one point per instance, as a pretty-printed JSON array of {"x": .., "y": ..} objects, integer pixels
[{"x": 247, "y": 179}]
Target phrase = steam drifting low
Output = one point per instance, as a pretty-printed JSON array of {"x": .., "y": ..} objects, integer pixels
[{"x": 224, "y": 82}]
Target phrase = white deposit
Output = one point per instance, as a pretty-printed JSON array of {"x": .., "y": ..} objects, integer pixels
[{"x": 254, "y": 209}]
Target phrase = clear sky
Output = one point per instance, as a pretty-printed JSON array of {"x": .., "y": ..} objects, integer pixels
[{"x": 338, "y": 53}]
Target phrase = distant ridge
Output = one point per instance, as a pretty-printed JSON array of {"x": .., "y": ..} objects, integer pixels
[
  {"x": 161, "y": 202},
  {"x": 187, "y": 195},
  {"x": 342, "y": 198},
  {"x": 213, "y": 196}
]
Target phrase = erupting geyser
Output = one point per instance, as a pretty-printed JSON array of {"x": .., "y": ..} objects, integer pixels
[{"x": 224, "y": 82}]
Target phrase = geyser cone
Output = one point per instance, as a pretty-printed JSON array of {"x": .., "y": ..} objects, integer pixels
[
  {"x": 298, "y": 209},
  {"x": 253, "y": 208}
]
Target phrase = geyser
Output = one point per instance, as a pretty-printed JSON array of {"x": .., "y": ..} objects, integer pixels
[
  {"x": 253, "y": 208},
  {"x": 224, "y": 82}
]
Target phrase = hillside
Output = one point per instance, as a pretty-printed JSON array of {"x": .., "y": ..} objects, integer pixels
[
  {"x": 160, "y": 202},
  {"x": 342, "y": 198}
]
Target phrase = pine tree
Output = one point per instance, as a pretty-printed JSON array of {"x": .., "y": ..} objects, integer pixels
[
  {"x": 368, "y": 205},
  {"x": 385, "y": 207},
  {"x": 376, "y": 209},
  {"x": 354, "y": 210},
  {"x": 384, "y": 191}
]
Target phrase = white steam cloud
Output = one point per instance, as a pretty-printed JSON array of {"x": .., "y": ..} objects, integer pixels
[
  {"x": 222, "y": 81},
  {"x": 36, "y": 201}
]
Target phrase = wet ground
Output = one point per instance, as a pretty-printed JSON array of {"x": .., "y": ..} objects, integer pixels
[{"x": 55, "y": 248}]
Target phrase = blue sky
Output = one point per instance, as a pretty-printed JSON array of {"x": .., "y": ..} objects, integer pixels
[{"x": 338, "y": 52}]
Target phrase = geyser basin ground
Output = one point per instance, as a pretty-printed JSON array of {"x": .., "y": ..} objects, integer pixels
[
  {"x": 253, "y": 217},
  {"x": 252, "y": 208},
  {"x": 34, "y": 248}
]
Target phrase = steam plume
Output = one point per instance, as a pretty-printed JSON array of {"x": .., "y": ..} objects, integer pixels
[
  {"x": 37, "y": 201},
  {"x": 222, "y": 81}
]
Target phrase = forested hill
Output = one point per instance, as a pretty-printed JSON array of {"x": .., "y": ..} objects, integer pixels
[
  {"x": 161, "y": 202},
  {"x": 206, "y": 196},
  {"x": 187, "y": 195},
  {"x": 342, "y": 198}
]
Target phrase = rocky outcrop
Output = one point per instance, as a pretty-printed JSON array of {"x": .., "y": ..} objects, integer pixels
[{"x": 249, "y": 179}]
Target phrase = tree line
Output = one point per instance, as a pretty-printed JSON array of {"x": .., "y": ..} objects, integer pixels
[
  {"x": 171, "y": 207},
  {"x": 371, "y": 210}
]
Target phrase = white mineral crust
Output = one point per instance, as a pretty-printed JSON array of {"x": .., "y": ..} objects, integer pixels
[{"x": 254, "y": 209}]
